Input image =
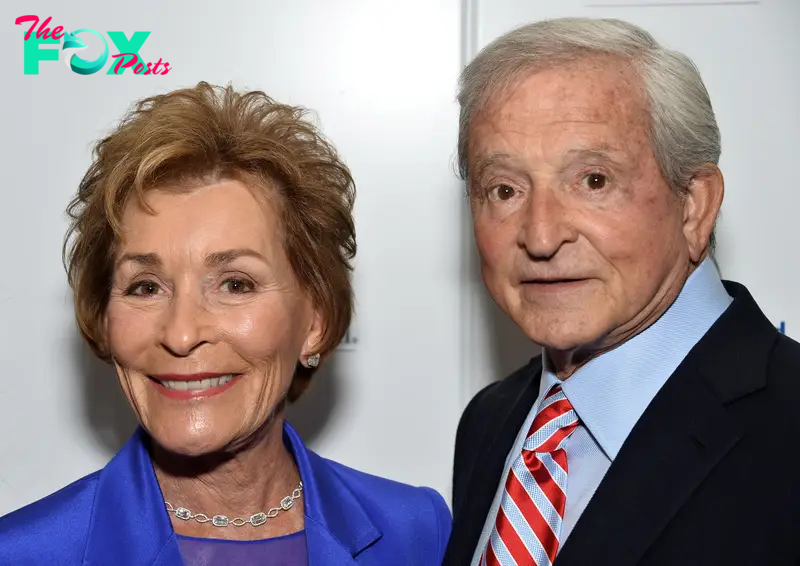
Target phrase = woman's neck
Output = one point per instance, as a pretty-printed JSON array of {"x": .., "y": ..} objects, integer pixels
[{"x": 240, "y": 483}]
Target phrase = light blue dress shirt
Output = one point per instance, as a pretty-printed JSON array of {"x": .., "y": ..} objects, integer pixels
[{"x": 611, "y": 392}]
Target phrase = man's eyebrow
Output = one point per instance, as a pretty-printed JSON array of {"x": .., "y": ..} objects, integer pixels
[
  {"x": 487, "y": 161},
  {"x": 604, "y": 151}
]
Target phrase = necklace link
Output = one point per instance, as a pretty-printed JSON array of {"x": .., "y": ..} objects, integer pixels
[{"x": 257, "y": 519}]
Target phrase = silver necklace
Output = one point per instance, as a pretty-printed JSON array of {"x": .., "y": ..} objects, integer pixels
[{"x": 256, "y": 519}]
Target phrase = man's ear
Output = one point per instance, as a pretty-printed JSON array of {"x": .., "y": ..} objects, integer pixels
[{"x": 701, "y": 206}]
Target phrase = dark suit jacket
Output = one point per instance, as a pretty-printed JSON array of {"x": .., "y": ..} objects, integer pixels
[
  {"x": 116, "y": 517},
  {"x": 710, "y": 474}
]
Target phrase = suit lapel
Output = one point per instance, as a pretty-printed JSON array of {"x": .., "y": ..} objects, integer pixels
[
  {"x": 129, "y": 524},
  {"x": 509, "y": 410},
  {"x": 324, "y": 548},
  {"x": 677, "y": 442},
  {"x": 338, "y": 526}
]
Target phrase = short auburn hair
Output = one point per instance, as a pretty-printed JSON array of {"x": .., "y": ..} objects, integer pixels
[{"x": 210, "y": 133}]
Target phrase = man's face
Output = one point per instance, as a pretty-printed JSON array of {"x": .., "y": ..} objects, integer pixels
[{"x": 581, "y": 239}]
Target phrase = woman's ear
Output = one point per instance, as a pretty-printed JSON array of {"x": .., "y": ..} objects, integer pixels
[
  {"x": 309, "y": 356},
  {"x": 103, "y": 341}
]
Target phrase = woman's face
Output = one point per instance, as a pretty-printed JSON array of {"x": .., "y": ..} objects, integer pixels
[{"x": 206, "y": 321}]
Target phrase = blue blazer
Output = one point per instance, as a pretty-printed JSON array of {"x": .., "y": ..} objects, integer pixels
[{"x": 117, "y": 517}]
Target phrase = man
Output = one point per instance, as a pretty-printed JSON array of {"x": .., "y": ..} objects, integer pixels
[{"x": 658, "y": 426}]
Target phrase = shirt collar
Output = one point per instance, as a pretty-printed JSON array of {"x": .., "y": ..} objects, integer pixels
[{"x": 611, "y": 392}]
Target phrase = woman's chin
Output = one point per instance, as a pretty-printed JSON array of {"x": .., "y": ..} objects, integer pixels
[{"x": 190, "y": 444}]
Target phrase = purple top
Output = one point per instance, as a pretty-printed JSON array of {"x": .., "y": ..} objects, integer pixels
[{"x": 289, "y": 550}]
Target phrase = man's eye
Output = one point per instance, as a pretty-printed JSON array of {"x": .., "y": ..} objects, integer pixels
[
  {"x": 595, "y": 181},
  {"x": 503, "y": 192}
]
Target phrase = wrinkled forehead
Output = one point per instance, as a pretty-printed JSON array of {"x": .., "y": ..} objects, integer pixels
[
  {"x": 184, "y": 221},
  {"x": 598, "y": 94},
  {"x": 602, "y": 80}
]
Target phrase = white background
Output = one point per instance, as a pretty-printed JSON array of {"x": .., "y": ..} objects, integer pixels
[
  {"x": 381, "y": 75},
  {"x": 748, "y": 53}
]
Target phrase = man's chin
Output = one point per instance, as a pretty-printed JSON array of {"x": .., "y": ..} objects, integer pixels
[{"x": 561, "y": 336}]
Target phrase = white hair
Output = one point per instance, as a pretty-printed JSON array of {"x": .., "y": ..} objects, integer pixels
[{"x": 683, "y": 129}]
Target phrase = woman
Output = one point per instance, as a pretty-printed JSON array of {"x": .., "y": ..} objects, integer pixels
[{"x": 209, "y": 256}]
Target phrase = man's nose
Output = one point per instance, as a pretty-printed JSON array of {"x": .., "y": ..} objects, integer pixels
[{"x": 547, "y": 224}]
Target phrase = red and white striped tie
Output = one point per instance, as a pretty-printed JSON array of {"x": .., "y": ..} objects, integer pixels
[{"x": 528, "y": 523}]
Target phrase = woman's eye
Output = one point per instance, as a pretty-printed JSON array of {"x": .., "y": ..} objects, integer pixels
[
  {"x": 144, "y": 289},
  {"x": 237, "y": 286},
  {"x": 595, "y": 181},
  {"x": 503, "y": 192}
]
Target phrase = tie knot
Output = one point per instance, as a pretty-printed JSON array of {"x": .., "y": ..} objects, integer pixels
[{"x": 554, "y": 422}]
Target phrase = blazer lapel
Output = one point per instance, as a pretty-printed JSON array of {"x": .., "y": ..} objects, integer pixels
[
  {"x": 129, "y": 523},
  {"x": 324, "y": 548},
  {"x": 510, "y": 409},
  {"x": 338, "y": 527},
  {"x": 679, "y": 439}
]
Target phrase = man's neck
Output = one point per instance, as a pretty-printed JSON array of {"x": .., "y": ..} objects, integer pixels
[{"x": 564, "y": 363}]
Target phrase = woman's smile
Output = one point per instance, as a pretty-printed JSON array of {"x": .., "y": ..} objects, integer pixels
[{"x": 193, "y": 386}]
